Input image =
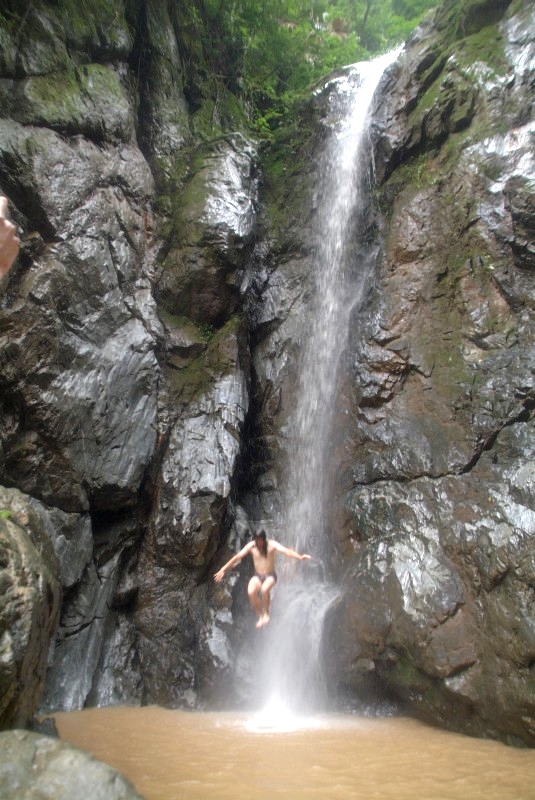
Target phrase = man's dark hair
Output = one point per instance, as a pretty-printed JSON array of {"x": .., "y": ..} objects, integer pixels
[{"x": 262, "y": 545}]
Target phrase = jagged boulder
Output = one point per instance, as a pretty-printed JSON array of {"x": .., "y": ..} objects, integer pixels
[
  {"x": 205, "y": 273},
  {"x": 30, "y": 600},
  {"x": 32, "y": 765}
]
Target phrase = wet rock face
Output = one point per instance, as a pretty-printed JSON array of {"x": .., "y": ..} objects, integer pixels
[
  {"x": 79, "y": 373},
  {"x": 184, "y": 625},
  {"x": 77, "y": 430},
  {"x": 177, "y": 614},
  {"x": 41, "y": 766},
  {"x": 30, "y": 602},
  {"x": 215, "y": 223},
  {"x": 124, "y": 364},
  {"x": 444, "y": 610},
  {"x": 438, "y": 505}
]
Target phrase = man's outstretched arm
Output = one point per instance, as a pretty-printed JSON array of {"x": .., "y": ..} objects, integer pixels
[
  {"x": 290, "y": 552},
  {"x": 220, "y": 574}
]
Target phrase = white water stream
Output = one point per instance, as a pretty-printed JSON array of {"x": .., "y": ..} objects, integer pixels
[{"x": 292, "y": 673}]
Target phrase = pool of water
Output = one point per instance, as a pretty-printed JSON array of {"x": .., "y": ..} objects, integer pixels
[{"x": 175, "y": 755}]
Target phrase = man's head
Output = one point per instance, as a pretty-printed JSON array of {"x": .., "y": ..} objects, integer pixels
[{"x": 260, "y": 539}]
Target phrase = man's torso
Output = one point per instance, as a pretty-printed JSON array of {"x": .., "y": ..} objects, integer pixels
[{"x": 264, "y": 564}]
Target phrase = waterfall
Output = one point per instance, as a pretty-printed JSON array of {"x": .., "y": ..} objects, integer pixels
[{"x": 291, "y": 669}]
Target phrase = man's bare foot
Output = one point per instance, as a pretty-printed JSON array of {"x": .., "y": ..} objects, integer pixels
[
  {"x": 260, "y": 622},
  {"x": 265, "y": 619}
]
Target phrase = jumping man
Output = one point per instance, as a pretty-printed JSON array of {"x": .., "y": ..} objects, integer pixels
[{"x": 264, "y": 552}]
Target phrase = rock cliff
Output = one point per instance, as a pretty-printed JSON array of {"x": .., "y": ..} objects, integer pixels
[
  {"x": 438, "y": 491},
  {"x": 148, "y": 342},
  {"x": 125, "y": 362}
]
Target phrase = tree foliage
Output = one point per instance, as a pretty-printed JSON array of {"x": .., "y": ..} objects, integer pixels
[{"x": 270, "y": 51}]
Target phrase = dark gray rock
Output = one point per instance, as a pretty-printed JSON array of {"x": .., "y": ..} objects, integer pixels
[
  {"x": 78, "y": 647},
  {"x": 72, "y": 339},
  {"x": 193, "y": 505},
  {"x": 442, "y": 611},
  {"x": 205, "y": 275},
  {"x": 69, "y": 534},
  {"x": 29, "y": 608},
  {"x": 116, "y": 679},
  {"x": 164, "y": 119},
  {"x": 32, "y": 766},
  {"x": 128, "y": 428},
  {"x": 94, "y": 653},
  {"x": 88, "y": 100},
  {"x": 183, "y": 644}
]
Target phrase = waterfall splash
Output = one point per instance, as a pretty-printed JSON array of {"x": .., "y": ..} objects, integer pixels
[{"x": 291, "y": 669}]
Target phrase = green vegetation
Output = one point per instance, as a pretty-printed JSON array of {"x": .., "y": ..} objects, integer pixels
[
  {"x": 269, "y": 52},
  {"x": 458, "y": 18},
  {"x": 218, "y": 357}
]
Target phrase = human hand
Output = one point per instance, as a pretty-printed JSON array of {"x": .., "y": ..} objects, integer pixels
[
  {"x": 9, "y": 241},
  {"x": 305, "y": 556},
  {"x": 219, "y": 575}
]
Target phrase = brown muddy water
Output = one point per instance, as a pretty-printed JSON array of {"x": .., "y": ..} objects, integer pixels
[{"x": 177, "y": 755}]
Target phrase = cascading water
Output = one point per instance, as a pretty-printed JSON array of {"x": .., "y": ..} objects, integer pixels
[{"x": 291, "y": 669}]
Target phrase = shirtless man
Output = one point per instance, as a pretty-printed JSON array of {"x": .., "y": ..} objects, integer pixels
[{"x": 264, "y": 552}]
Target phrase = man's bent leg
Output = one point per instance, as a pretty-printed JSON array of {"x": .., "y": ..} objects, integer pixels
[
  {"x": 253, "y": 590},
  {"x": 265, "y": 592}
]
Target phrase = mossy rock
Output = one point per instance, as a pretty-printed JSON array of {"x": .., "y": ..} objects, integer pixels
[
  {"x": 88, "y": 100},
  {"x": 40, "y": 38},
  {"x": 221, "y": 355},
  {"x": 461, "y": 18}
]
